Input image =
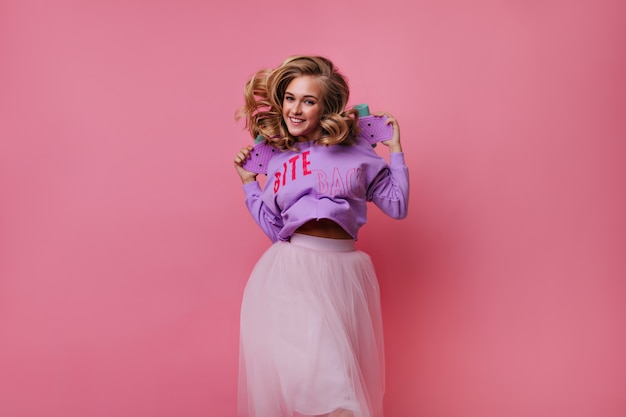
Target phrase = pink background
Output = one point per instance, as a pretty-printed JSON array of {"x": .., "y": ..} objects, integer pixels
[{"x": 125, "y": 244}]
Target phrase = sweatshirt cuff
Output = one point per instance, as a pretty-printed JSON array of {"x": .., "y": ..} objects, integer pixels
[
  {"x": 396, "y": 159},
  {"x": 251, "y": 188}
]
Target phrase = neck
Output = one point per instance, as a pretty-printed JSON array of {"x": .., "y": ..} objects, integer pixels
[{"x": 313, "y": 137}]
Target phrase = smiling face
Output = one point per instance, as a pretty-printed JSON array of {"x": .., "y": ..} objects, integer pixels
[{"x": 302, "y": 108}]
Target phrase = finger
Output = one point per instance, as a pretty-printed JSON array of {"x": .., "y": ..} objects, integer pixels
[
  {"x": 244, "y": 153},
  {"x": 240, "y": 158},
  {"x": 390, "y": 118}
]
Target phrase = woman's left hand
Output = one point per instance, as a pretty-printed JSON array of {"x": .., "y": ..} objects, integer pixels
[{"x": 393, "y": 143}]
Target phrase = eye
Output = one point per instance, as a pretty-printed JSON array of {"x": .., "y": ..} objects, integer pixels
[
  {"x": 288, "y": 98},
  {"x": 310, "y": 102}
]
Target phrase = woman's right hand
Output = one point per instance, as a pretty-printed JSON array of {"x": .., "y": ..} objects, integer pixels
[{"x": 242, "y": 156}]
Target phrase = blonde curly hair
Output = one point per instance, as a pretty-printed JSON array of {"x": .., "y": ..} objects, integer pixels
[{"x": 265, "y": 91}]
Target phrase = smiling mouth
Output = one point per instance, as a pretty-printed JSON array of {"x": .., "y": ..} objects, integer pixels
[{"x": 295, "y": 120}]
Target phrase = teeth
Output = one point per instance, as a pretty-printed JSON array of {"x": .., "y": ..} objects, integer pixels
[{"x": 296, "y": 120}]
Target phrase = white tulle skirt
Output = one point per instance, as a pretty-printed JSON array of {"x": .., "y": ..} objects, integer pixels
[{"x": 311, "y": 332}]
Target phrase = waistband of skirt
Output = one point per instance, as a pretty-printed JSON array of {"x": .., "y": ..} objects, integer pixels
[{"x": 322, "y": 243}]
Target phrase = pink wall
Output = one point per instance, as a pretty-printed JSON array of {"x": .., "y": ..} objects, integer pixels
[{"x": 125, "y": 245}]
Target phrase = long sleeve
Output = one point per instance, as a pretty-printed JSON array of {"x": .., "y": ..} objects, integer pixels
[
  {"x": 270, "y": 222},
  {"x": 390, "y": 190}
]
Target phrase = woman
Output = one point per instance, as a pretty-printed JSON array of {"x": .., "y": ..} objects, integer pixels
[{"x": 311, "y": 327}]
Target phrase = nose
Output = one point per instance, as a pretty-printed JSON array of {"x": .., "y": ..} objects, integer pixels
[{"x": 297, "y": 107}]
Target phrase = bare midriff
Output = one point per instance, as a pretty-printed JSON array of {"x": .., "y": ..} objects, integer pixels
[{"x": 323, "y": 228}]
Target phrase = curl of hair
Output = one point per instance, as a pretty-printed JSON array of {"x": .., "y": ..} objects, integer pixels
[{"x": 265, "y": 91}]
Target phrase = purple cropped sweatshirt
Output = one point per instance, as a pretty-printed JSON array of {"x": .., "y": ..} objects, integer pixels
[{"x": 327, "y": 182}]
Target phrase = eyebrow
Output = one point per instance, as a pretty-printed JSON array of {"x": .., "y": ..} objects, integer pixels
[{"x": 306, "y": 96}]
